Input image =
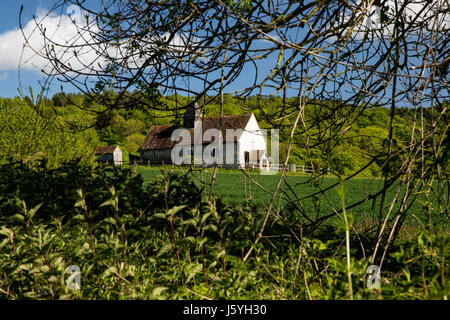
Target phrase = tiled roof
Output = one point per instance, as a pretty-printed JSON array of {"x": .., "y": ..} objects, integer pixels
[
  {"x": 105, "y": 150},
  {"x": 158, "y": 137}
]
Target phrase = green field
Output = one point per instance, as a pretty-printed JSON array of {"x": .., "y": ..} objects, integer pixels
[{"x": 235, "y": 188}]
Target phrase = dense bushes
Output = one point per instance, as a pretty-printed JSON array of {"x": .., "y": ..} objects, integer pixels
[{"x": 164, "y": 241}]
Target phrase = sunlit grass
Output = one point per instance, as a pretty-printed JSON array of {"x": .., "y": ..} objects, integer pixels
[{"x": 235, "y": 188}]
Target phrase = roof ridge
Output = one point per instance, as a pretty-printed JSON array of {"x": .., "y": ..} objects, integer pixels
[
  {"x": 235, "y": 115},
  {"x": 106, "y": 149},
  {"x": 159, "y": 136},
  {"x": 208, "y": 117},
  {"x": 229, "y": 115}
]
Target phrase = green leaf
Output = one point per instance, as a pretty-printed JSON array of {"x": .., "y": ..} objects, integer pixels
[
  {"x": 202, "y": 243},
  {"x": 165, "y": 248},
  {"x": 110, "y": 220},
  {"x": 159, "y": 215},
  {"x": 158, "y": 290},
  {"x": 399, "y": 255},
  {"x": 191, "y": 222},
  {"x": 175, "y": 210},
  {"x": 85, "y": 248},
  {"x": 112, "y": 190},
  {"x": 220, "y": 254},
  {"x": 205, "y": 216},
  {"x": 407, "y": 274},
  {"x": 18, "y": 217},
  {"x": 188, "y": 241},
  {"x": 109, "y": 202},
  {"x": 44, "y": 269},
  {"x": 31, "y": 295},
  {"x": 33, "y": 211},
  {"x": 210, "y": 227},
  {"x": 6, "y": 232},
  {"x": 214, "y": 277},
  {"x": 319, "y": 245},
  {"x": 79, "y": 203},
  {"x": 421, "y": 239},
  {"x": 23, "y": 267},
  {"x": 80, "y": 217},
  {"x": 191, "y": 270},
  {"x": 4, "y": 243}
]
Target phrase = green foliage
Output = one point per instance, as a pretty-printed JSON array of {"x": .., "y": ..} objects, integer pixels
[
  {"x": 124, "y": 128},
  {"x": 133, "y": 142},
  {"x": 343, "y": 163},
  {"x": 30, "y": 132},
  {"x": 163, "y": 241},
  {"x": 68, "y": 131}
]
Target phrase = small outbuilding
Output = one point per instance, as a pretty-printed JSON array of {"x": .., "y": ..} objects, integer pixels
[{"x": 111, "y": 154}]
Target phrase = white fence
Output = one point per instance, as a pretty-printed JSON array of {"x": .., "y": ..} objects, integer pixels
[{"x": 292, "y": 167}]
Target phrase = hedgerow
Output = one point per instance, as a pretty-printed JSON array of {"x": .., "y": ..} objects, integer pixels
[{"x": 165, "y": 241}]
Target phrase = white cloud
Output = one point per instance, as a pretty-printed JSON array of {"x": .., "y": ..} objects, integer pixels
[
  {"x": 3, "y": 76},
  {"x": 10, "y": 49},
  {"x": 15, "y": 52},
  {"x": 64, "y": 34},
  {"x": 418, "y": 10}
]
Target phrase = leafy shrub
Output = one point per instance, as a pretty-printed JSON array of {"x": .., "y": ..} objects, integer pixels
[{"x": 163, "y": 241}]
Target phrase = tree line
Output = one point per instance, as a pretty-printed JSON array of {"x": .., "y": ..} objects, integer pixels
[{"x": 65, "y": 126}]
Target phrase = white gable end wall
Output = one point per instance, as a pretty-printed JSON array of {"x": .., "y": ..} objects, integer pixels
[
  {"x": 117, "y": 156},
  {"x": 251, "y": 139}
]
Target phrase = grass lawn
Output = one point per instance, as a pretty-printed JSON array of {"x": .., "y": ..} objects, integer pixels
[{"x": 234, "y": 188}]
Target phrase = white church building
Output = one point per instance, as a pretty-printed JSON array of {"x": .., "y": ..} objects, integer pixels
[{"x": 239, "y": 143}]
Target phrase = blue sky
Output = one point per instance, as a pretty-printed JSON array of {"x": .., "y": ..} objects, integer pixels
[
  {"x": 12, "y": 55},
  {"x": 11, "y": 41},
  {"x": 9, "y": 22}
]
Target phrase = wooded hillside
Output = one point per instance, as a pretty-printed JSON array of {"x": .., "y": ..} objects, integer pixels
[{"x": 68, "y": 126}]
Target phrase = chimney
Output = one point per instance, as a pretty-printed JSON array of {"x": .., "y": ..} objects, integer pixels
[{"x": 193, "y": 116}]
